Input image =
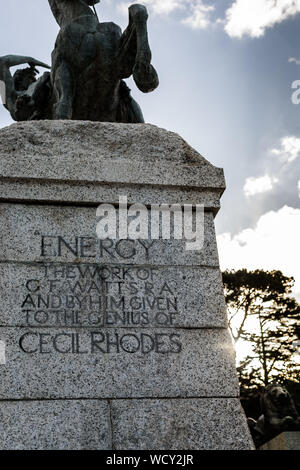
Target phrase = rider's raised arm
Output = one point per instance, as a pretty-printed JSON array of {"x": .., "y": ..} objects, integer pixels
[{"x": 8, "y": 87}]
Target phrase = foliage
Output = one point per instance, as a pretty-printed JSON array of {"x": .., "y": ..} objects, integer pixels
[{"x": 263, "y": 313}]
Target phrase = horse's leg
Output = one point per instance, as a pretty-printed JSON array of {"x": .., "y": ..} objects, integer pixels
[
  {"x": 135, "y": 54},
  {"x": 63, "y": 85}
]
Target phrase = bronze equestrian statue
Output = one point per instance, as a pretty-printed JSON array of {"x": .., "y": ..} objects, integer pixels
[{"x": 89, "y": 64}]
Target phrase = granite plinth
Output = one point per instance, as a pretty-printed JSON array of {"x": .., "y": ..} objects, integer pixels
[{"x": 110, "y": 344}]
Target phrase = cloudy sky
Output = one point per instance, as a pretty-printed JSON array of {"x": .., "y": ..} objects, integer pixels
[{"x": 226, "y": 69}]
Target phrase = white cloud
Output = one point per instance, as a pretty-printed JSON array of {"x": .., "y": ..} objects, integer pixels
[
  {"x": 289, "y": 150},
  {"x": 253, "y": 17},
  {"x": 196, "y": 12},
  {"x": 159, "y": 7},
  {"x": 259, "y": 185},
  {"x": 243, "y": 17},
  {"x": 299, "y": 187},
  {"x": 163, "y": 7},
  {"x": 200, "y": 16},
  {"x": 272, "y": 244}
]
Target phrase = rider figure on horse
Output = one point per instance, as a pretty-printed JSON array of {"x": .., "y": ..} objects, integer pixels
[{"x": 89, "y": 64}]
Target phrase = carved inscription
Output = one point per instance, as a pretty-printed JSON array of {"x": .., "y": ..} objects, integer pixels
[{"x": 97, "y": 299}]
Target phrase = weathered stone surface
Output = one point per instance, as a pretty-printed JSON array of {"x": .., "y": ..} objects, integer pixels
[
  {"x": 55, "y": 425},
  {"x": 103, "y": 152},
  {"x": 90, "y": 194},
  {"x": 30, "y": 233},
  {"x": 93, "y": 295},
  {"x": 191, "y": 424},
  {"x": 149, "y": 385},
  {"x": 116, "y": 363},
  {"x": 110, "y": 154},
  {"x": 186, "y": 424}
]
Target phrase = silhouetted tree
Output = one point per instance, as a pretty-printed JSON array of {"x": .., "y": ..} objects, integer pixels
[{"x": 265, "y": 297}]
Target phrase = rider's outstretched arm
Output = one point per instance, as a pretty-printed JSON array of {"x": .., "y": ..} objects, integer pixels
[
  {"x": 12, "y": 60},
  {"x": 10, "y": 94}
]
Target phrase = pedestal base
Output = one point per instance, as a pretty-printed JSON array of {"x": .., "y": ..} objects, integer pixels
[{"x": 110, "y": 344}]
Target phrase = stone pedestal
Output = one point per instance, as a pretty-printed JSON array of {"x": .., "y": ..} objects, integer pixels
[
  {"x": 285, "y": 441},
  {"x": 112, "y": 344}
]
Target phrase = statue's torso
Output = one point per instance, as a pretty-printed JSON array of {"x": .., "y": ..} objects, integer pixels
[{"x": 90, "y": 49}]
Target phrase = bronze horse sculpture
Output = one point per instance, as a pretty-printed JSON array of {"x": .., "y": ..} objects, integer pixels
[{"x": 89, "y": 64}]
